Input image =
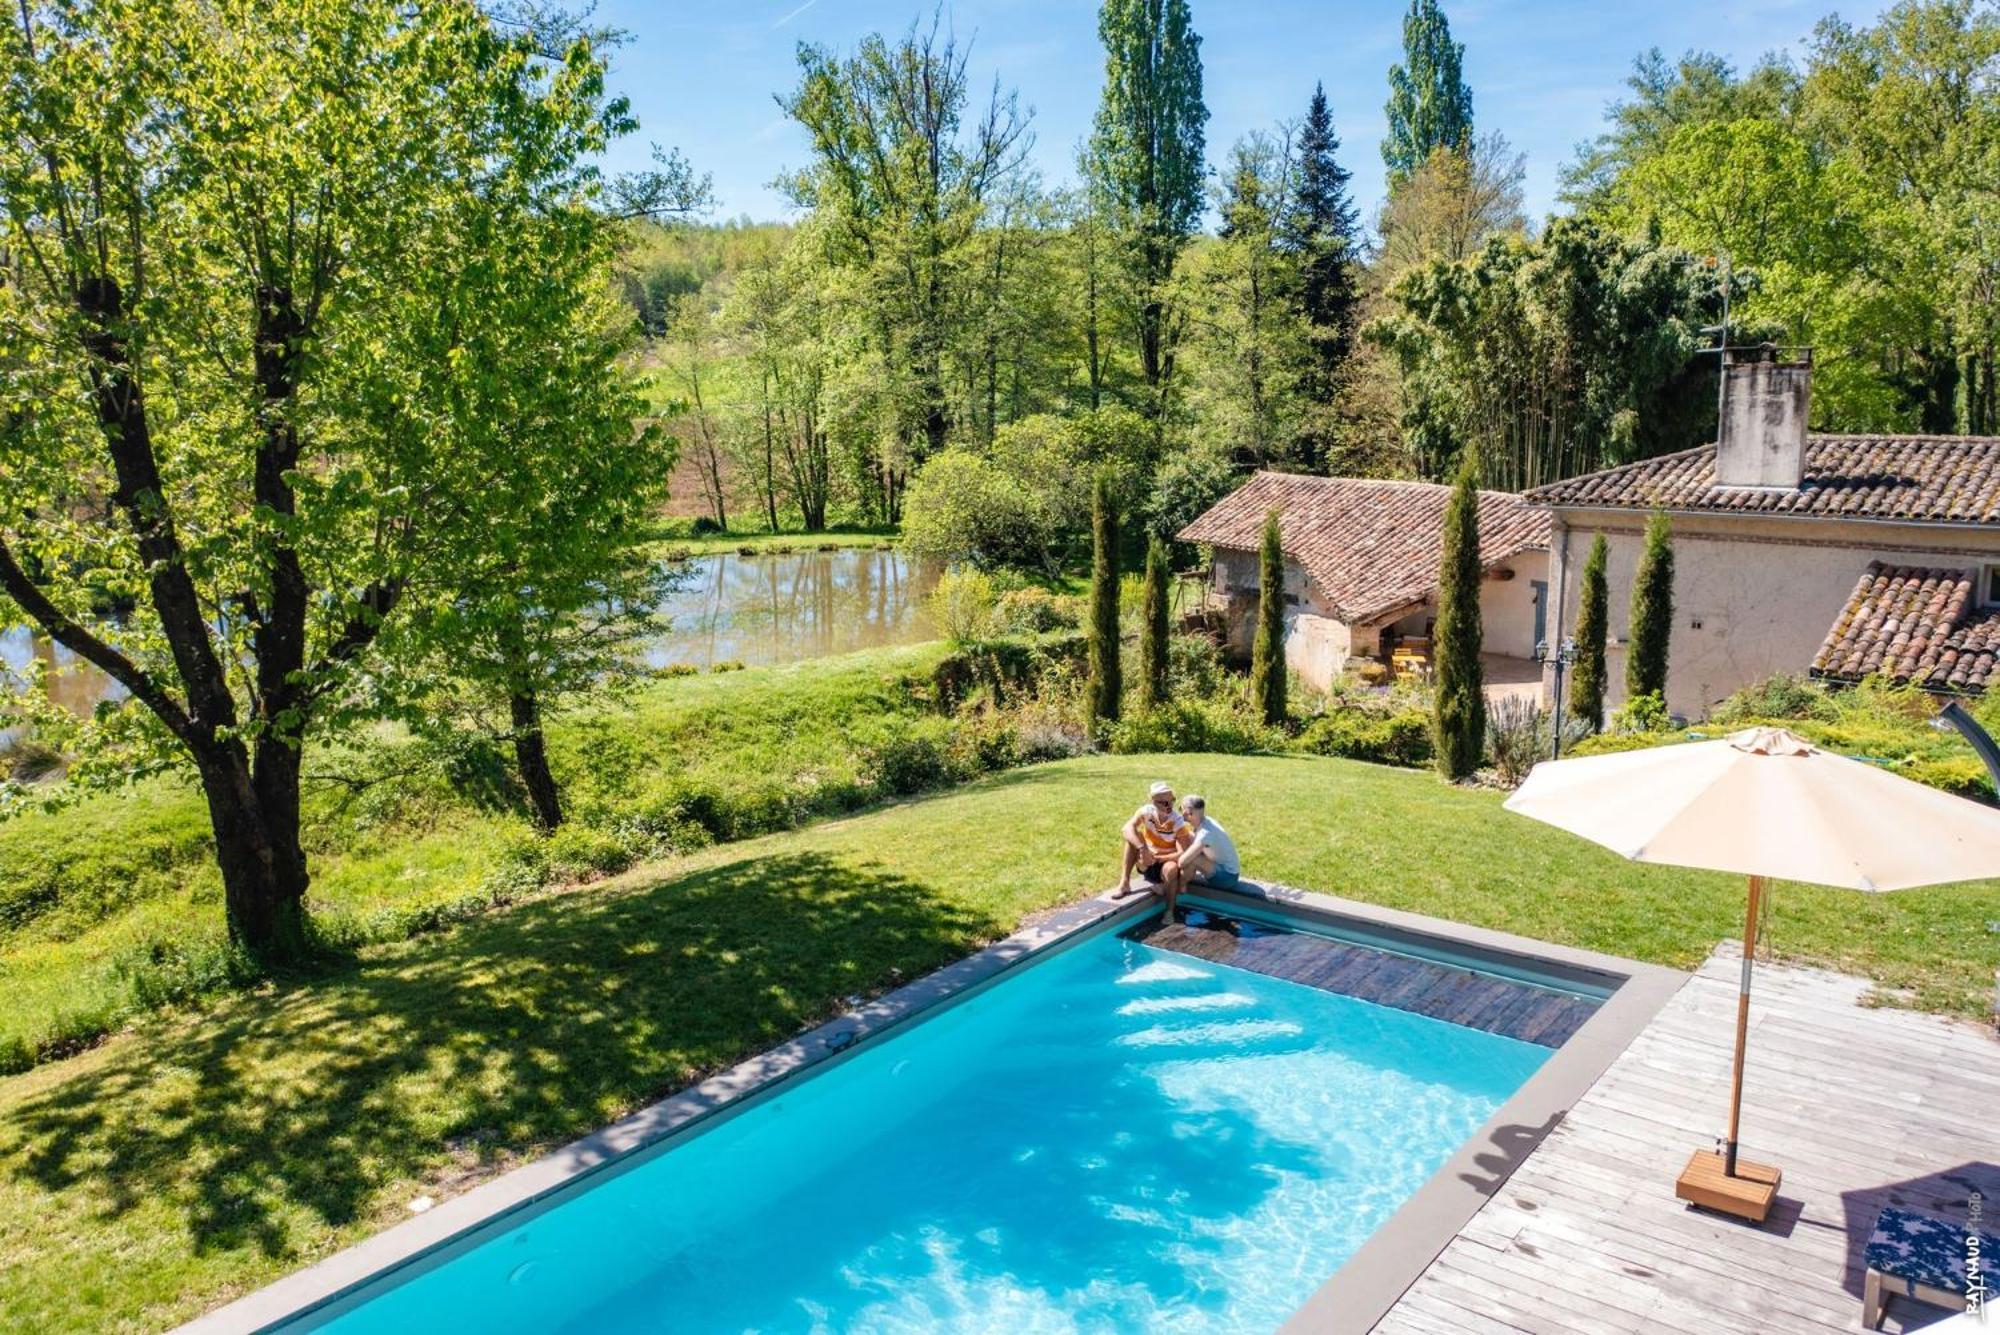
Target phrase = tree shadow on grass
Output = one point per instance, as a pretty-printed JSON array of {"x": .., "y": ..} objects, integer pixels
[{"x": 284, "y": 1115}]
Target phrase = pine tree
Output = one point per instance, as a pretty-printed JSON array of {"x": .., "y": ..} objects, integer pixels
[
  {"x": 1267, "y": 651},
  {"x": 1458, "y": 717},
  {"x": 1146, "y": 153},
  {"x": 1587, "y": 679},
  {"x": 1652, "y": 612},
  {"x": 1153, "y": 628},
  {"x": 1102, "y": 691},
  {"x": 1319, "y": 230},
  {"x": 1429, "y": 105}
]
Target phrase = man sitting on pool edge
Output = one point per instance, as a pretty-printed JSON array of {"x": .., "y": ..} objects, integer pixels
[
  {"x": 1153, "y": 840},
  {"x": 1209, "y": 855}
]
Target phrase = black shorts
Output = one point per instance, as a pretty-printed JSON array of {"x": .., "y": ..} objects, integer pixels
[{"x": 1154, "y": 874}]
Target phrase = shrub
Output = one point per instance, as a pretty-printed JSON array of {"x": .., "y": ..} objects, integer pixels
[
  {"x": 579, "y": 852},
  {"x": 1521, "y": 733},
  {"x": 1401, "y": 737},
  {"x": 962, "y": 605},
  {"x": 727, "y": 665},
  {"x": 1780, "y": 697},
  {"x": 703, "y": 525},
  {"x": 1194, "y": 724},
  {"x": 1153, "y": 660},
  {"x": 1642, "y": 713},
  {"x": 913, "y": 762},
  {"x": 1033, "y": 611}
]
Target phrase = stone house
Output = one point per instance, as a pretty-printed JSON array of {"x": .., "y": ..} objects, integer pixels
[
  {"x": 1839, "y": 555},
  {"x": 1361, "y": 569}
]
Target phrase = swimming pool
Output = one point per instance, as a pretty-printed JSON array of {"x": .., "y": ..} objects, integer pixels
[{"x": 1115, "y": 1138}]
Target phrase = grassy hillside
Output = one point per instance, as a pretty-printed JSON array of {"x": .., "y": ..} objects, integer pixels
[
  {"x": 111, "y": 907},
  {"x": 201, "y": 1156}
]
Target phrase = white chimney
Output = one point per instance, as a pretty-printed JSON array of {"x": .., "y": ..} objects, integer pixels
[{"x": 1765, "y": 403}]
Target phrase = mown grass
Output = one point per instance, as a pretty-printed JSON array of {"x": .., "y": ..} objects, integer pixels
[
  {"x": 198, "y": 1157},
  {"x": 679, "y": 537},
  {"x": 113, "y": 905}
]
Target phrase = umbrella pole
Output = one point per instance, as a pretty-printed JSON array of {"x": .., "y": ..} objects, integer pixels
[{"x": 1742, "y": 1025}]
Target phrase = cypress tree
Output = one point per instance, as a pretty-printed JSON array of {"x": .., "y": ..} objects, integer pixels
[
  {"x": 1102, "y": 691},
  {"x": 1587, "y": 679},
  {"x": 1153, "y": 628},
  {"x": 1318, "y": 230},
  {"x": 1429, "y": 105},
  {"x": 1267, "y": 652},
  {"x": 1458, "y": 709},
  {"x": 1652, "y": 612}
]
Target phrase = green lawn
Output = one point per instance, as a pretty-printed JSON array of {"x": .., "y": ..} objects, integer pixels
[{"x": 201, "y": 1156}]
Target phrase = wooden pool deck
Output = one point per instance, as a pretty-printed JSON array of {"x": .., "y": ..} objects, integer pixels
[{"x": 1861, "y": 1108}]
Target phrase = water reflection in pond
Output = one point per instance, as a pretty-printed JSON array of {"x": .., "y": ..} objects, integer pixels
[
  {"x": 732, "y": 608},
  {"x": 69, "y": 681},
  {"x": 783, "y": 608}
]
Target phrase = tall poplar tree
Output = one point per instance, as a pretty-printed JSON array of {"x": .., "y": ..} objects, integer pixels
[
  {"x": 1319, "y": 230},
  {"x": 1145, "y": 157},
  {"x": 1429, "y": 105},
  {"x": 1587, "y": 680},
  {"x": 1458, "y": 710}
]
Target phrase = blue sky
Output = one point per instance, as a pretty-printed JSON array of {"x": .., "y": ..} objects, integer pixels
[{"x": 701, "y": 76}]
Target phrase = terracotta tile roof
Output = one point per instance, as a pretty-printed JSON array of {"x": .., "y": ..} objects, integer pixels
[
  {"x": 1915, "y": 624},
  {"x": 1371, "y": 546},
  {"x": 1942, "y": 479}
]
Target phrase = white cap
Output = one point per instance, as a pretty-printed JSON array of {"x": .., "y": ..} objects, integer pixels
[{"x": 1160, "y": 788}]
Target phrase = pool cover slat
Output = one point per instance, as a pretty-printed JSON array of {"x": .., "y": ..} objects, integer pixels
[{"x": 1459, "y": 996}]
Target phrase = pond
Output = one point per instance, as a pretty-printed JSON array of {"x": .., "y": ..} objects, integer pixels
[
  {"x": 784, "y": 608},
  {"x": 767, "y": 608}
]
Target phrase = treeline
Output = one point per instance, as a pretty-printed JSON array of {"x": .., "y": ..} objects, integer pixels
[{"x": 935, "y": 298}]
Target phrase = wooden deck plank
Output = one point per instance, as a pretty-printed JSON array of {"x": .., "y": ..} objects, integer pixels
[{"x": 1860, "y": 1106}]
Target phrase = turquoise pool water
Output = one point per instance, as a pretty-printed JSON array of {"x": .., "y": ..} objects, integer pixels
[{"x": 1117, "y": 1139}]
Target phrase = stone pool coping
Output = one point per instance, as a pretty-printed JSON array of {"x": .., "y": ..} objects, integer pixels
[{"x": 1356, "y": 1297}]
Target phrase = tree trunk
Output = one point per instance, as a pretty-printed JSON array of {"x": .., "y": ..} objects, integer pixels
[
  {"x": 263, "y": 868},
  {"x": 531, "y": 754}
]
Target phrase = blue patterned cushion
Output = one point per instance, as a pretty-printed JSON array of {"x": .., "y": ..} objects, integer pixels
[{"x": 1929, "y": 1250}]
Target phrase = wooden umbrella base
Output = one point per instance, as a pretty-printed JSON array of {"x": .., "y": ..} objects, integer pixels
[{"x": 1747, "y": 1195}]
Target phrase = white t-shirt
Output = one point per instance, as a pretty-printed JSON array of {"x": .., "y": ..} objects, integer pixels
[{"x": 1212, "y": 836}]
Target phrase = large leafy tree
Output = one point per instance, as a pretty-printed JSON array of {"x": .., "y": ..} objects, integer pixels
[
  {"x": 903, "y": 168},
  {"x": 553, "y": 598},
  {"x": 241, "y": 258},
  {"x": 1319, "y": 229},
  {"x": 1246, "y": 340},
  {"x": 1145, "y": 158},
  {"x": 1430, "y": 106},
  {"x": 1553, "y": 357}
]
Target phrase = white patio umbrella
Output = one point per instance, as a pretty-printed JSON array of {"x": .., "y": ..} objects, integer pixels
[{"x": 1763, "y": 802}]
